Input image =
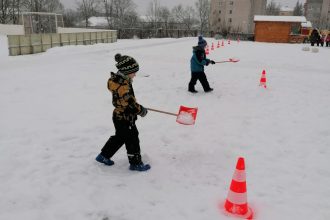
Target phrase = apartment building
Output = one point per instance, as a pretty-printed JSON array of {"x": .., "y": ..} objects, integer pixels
[
  {"x": 235, "y": 15},
  {"x": 318, "y": 12}
]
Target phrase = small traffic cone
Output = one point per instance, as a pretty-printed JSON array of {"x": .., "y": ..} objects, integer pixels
[
  {"x": 207, "y": 52},
  {"x": 218, "y": 46},
  {"x": 237, "y": 39},
  {"x": 229, "y": 41},
  {"x": 236, "y": 203},
  {"x": 222, "y": 44},
  {"x": 263, "y": 79},
  {"x": 212, "y": 46}
]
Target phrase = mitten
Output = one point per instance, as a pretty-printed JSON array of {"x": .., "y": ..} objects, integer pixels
[
  {"x": 212, "y": 62},
  {"x": 143, "y": 111}
]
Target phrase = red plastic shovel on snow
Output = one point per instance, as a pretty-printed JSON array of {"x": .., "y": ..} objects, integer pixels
[
  {"x": 230, "y": 60},
  {"x": 185, "y": 116}
]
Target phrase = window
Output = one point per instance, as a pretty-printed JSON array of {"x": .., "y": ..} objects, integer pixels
[
  {"x": 219, "y": 19},
  {"x": 230, "y": 20},
  {"x": 231, "y": 3},
  {"x": 230, "y": 11},
  {"x": 219, "y": 11}
]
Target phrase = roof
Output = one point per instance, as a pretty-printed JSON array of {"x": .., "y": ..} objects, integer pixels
[
  {"x": 298, "y": 19},
  {"x": 306, "y": 24}
]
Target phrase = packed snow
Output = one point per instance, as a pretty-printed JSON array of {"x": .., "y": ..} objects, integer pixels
[{"x": 56, "y": 115}]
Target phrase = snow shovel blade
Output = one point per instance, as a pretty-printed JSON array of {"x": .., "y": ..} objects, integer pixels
[
  {"x": 234, "y": 60},
  {"x": 186, "y": 115}
]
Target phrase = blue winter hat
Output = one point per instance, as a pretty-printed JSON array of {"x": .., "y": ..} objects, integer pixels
[{"x": 201, "y": 41}]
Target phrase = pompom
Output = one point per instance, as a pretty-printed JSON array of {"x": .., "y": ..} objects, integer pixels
[{"x": 117, "y": 57}]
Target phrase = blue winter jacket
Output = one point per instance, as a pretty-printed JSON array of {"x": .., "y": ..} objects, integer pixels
[{"x": 198, "y": 60}]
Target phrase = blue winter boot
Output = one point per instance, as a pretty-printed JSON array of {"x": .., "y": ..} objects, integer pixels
[
  {"x": 104, "y": 160},
  {"x": 139, "y": 167},
  {"x": 136, "y": 163}
]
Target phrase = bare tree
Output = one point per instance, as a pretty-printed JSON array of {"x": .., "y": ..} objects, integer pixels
[
  {"x": 42, "y": 5},
  {"x": 203, "y": 11},
  {"x": 153, "y": 11},
  {"x": 109, "y": 12},
  {"x": 165, "y": 17},
  {"x": 15, "y": 11},
  {"x": 273, "y": 8},
  {"x": 186, "y": 16},
  {"x": 124, "y": 11},
  {"x": 4, "y": 11},
  {"x": 70, "y": 18},
  {"x": 178, "y": 13},
  {"x": 87, "y": 8}
]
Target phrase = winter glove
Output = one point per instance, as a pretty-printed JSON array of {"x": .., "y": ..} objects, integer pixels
[
  {"x": 207, "y": 62},
  {"x": 143, "y": 111},
  {"x": 212, "y": 62}
]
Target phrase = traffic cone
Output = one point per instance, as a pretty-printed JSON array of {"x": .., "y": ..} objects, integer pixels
[
  {"x": 229, "y": 41},
  {"x": 236, "y": 203},
  {"x": 237, "y": 39},
  {"x": 212, "y": 46},
  {"x": 218, "y": 46},
  {"x": 207, "y": 52},
  {"x": 222, "y": 44},
  {"x": 263, "y": 79}
]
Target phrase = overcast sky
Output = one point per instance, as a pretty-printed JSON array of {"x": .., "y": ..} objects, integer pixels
[{"x": 143, "y": 4}]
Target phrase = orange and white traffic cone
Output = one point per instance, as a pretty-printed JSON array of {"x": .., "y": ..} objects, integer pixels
[
  {"x": 218, "y": 46},
  {"x": 222, "y": 44},
  {"x": 236, "y": 203},
  {"x": 207, "y": 52},
  {"x": 263, "y": 79},
  {"x": 212, "y": 46},
  {"x": 228, "y": 40}
]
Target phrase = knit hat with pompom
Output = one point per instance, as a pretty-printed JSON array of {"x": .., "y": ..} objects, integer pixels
[
  {"x": 126, "y": 64},
  {"x": 201, "y": 41}
]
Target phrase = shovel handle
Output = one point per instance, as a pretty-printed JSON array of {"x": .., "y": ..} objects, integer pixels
[
  {"x": 224, "y": 61},
  {"x": 231, "y": 60},
  {"x": 168, "y": 113}
]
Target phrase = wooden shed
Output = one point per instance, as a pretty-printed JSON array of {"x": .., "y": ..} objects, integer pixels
[{"x": 278, "y": 29}]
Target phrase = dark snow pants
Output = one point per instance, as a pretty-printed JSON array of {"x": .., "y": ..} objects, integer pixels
[
  {"x": 128, "y": 134},
  {"x": 202, "y": 79}
]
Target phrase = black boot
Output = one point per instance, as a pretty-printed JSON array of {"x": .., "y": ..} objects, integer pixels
[
  {"x": 208, "y": 90},
  {"x": 137, "y": 164},
  {"x": 192, "y": 90}
]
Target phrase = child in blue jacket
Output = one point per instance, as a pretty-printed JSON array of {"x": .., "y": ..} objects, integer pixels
[{"x": 197, "y": 63}]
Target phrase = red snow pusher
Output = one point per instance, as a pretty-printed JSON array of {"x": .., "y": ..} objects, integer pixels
[{"x": 185, "y": 116}]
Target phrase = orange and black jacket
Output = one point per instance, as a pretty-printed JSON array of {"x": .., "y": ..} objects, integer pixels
[{"x": 123, "y": 98}]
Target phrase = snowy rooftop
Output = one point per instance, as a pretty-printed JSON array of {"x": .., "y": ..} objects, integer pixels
[
  {"x": 97, "y": 21},
  {"x": 306, "y": 24},
  {"x": 280, "y": 18}
]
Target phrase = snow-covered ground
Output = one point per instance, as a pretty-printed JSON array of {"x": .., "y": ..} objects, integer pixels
[{"x": 56, "y": 113}]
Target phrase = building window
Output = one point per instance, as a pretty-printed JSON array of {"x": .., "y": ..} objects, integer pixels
[
  {"x": 219, "y": 19},
  {"x": 231, "y": 3},
  {"x": 230, "y": 11},
  {"x": 219, "y": 11},
  {"x": 230, "y": 20}
]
